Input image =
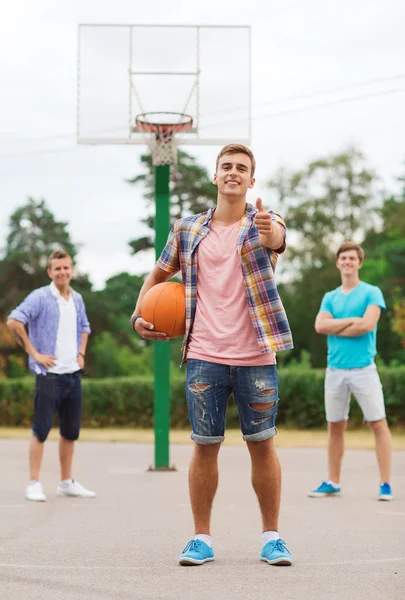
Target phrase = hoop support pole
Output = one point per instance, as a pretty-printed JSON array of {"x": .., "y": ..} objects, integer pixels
[{"x": 161, "y": 350}]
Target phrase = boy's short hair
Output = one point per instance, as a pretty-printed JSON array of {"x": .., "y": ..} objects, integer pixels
[
  {"x": 58, "y": 254},
  {"x": 351, "y": 246},
  {"x": 237, "y": 149}
]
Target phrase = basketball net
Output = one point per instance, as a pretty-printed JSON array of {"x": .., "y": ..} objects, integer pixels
[
  {"x": 160, "y": 134},
  {"x": 163, "y": 147}
]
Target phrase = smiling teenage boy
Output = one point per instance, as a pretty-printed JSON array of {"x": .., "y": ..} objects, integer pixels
[
  {"x": 235, "y": 322},
  {"x": 348, "y": 316},
  {"x": 58, "y": 332}
]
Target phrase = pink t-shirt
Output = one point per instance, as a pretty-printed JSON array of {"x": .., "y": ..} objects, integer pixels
[{"x": 222, "y": 331}]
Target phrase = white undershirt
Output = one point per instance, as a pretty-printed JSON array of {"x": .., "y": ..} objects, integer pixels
[{"x": 66, "y": 339}]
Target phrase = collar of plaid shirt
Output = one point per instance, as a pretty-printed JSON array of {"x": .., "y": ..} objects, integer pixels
[{"x": 258, "y": 265}]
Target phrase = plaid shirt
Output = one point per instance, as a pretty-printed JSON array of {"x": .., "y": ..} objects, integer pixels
[{"x": 258, "y": 265}]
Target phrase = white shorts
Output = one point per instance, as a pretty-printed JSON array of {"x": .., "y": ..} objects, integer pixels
[{"x": 364, "y": 384}]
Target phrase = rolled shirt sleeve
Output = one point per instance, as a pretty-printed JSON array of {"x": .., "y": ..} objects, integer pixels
[
  {"x": 279, "y": 219},
  {"x": 169, "y": 258},
  {"x": 83, "y": 321},
  {"x": 29, "y": 308}
]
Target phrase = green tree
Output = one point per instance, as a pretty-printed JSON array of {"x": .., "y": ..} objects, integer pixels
[
  {"x": 332, "y": 199},
  {"x": 112, "y": 359},
  {"x": 34, "y": 235},
  {"x": 384, "y": 265},
  {"x": 118, "y": 300},
  {"x": 301, "y": 298},
  {"x": 191, "y": 192}
]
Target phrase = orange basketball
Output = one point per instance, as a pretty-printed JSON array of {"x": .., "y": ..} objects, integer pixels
[{"x": 164, "y": 305}]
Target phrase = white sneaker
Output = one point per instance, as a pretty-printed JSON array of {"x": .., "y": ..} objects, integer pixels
[
  {"x": 35, "y": 492},
  {"x": 74, "y": 488}
]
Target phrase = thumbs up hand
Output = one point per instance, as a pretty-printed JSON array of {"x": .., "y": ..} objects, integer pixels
[
  {"x": 259, "y": 205},
  {"x": 262, "y": 219}
]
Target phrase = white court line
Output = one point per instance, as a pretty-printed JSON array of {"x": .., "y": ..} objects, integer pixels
[{"x": 398, "y": 514}]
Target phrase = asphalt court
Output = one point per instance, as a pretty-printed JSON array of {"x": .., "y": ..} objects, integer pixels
[{"x": 124, "y": 543}]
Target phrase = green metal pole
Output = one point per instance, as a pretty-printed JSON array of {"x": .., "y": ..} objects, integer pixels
[{"x": 161, "y": 354}]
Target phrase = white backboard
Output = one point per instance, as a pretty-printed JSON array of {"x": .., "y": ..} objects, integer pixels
[{"x": 125, "y": 70}]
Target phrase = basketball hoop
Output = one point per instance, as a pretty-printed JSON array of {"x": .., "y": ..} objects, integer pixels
[{"x": 160, "y": 129}]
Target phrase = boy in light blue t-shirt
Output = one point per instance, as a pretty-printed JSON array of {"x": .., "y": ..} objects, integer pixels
[{"x": 348, "y": 316}]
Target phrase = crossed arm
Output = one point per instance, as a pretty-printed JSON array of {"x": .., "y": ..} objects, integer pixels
[{"x": 350, "y": 327}]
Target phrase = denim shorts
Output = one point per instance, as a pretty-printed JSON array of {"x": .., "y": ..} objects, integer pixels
[
  {"x": 208, "y": 387},
  {"x": 61, "y": 394}
]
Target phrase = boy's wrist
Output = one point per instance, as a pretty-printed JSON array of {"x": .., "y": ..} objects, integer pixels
[{"x": 133, "y": 319}]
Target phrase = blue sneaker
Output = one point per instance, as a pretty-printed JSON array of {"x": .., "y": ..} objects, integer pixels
[
  {"x": 276, "y": 552},
  {"x": 385, "y": 492},
  {"x": 325, "y": 489},
  {"x": 196, "y": 552}
]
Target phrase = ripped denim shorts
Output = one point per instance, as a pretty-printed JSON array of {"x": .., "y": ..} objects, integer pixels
[{"x": 208, "y": 387}]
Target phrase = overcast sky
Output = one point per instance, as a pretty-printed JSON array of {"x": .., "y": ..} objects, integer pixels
[{"x": 325, "y": 74}]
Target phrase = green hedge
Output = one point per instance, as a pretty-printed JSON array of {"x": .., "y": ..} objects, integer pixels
[{"x": 129, "y": 401}]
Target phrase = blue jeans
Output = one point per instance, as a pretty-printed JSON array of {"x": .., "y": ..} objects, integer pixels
[
  {"x": 208, "y": 387},
  {"x": 61, "y": 394}
]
